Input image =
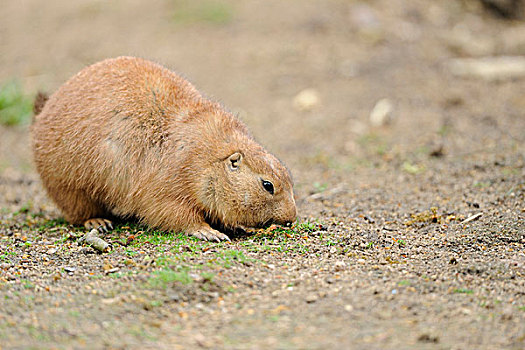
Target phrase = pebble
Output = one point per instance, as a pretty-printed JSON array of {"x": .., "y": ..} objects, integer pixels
[
  {"x": 489, "y": 68},
  {"x": 86, "y": 250},
  {"x": 51, "y": 251},
  {"x": 382, "y": 112},
  {"x": 174, "y": 297},
  {"x": 339, "y": 265},
  {"x": 306, "y": 100},
  {"x": 311, "y": 298}
]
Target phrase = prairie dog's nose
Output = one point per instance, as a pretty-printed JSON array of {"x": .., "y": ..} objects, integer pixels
[{"x": 291, "y": 216}]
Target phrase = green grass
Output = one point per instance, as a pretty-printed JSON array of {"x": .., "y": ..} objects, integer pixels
[
  {"x": 173, "y": 250},
  {"x": 373, "y": 143},
  {"x": 51, "y": 224},
  {"x": 25, "y": 208},
  {"x": 463, "y": 291},
  {"x": 208, "y": 276},
  {"x": 320, "y": 187},
  {"x": 75, "y": 313},
  {"x": 273, "y": 318},
  {"x": 228, "y": 257},
  {"x": 165, "y": 277},
  {"x": 286, "y": 239},
  {"x": 481, "y": 184},
  {"x": 204, "y": 11},
  {"x": 27, "y": 284},
  {"x": 156, "y": 303},
  {"x": 7, "y": 256},
  {"x": 411, "y": 168},
  {"x": 15, "y": 106}
]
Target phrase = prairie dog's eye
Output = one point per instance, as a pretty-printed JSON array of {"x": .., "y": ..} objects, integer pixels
[{"x": 268, "y": 186}]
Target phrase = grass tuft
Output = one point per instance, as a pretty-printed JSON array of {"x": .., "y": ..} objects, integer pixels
[
  {"x": 207, "y": 11},
  {"x": 16, "y": 108},
  {"x": 165, "y": 277}
]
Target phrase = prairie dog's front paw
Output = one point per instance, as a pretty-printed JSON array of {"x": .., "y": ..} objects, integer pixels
[{"x": 206, "y": 233}]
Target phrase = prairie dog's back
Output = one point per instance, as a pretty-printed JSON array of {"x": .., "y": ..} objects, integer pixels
[
  {"x": 99, "y": 130},
  {"x": 101, "y": 97}
]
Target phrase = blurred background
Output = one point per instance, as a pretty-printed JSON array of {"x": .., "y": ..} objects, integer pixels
[{"x": 330, "y": 86}]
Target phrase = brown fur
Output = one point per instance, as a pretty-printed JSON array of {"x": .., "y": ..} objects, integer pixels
[{"x": 128, "y": 137}]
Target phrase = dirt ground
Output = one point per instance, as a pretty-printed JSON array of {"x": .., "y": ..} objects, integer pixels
[{"x": 411, "y": 228}]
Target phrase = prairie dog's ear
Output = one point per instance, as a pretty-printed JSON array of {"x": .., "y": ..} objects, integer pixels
[{"x": 234, "y": 161}]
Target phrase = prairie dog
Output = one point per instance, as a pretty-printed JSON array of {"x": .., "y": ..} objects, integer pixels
[{"x": 128, "y": 137}]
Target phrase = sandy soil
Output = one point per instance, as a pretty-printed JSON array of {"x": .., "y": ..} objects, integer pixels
[{"x": 389, "y": 251}]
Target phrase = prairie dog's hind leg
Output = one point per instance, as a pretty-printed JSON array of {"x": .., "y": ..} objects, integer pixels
[
  {"x": 80, "y": 209},
  {"x": 103, "y": 225}
]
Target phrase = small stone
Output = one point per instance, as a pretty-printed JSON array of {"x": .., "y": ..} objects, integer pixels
[
  {"x": 130, "y": 262},
  {"x": 202, "y": 341},
  {"x": 437, "y": 150},
  {"x": 339, "y": 265},
  {"x": 110, "y": 301},
  {"x": 465, "y": 311},
  {"x": 70, "y": 269},
  {"x": 427, "y": 338},
  {"x": 86, "y": 250},
  {"x": 306, "y": 100},
  {"x": 312, "y": 298},
  {"x": 381, "y": 113},
  {"x": 51, "y": 251},
  {"x": 174, "y": 297},
  {"x": 489, "y": 68},
  {"x": 196, "y": 277},
  {"x": 349, "y": 308},
  {"x": 115, "y": 269},
  {"x": 361, "y": 261}
]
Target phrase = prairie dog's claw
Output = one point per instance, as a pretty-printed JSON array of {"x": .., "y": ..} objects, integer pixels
[
  {"x": 209, "y": 234},
  {"x": 102, "y": 225}
]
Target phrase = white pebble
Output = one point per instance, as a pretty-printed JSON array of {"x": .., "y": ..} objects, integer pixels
[
  {"x": 306, "y": 100},
  {"x": 382, "y": 112}
]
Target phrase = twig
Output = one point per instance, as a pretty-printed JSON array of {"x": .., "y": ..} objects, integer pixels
[
  {"x": 472, "y": 218},
  {"x": 331, "y": 192}
]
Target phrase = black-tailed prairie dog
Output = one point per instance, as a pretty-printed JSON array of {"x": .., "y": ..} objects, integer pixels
[{"x": 127, "y": 137}]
